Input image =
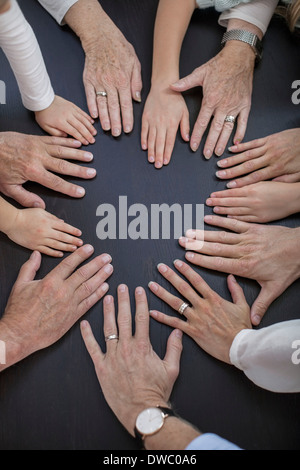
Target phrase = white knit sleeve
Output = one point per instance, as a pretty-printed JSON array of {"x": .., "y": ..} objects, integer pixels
[
  {"x": 21, "y": 48},
  {"x": 57, "y": 8},
  {"x": 257, "y": 12},
  {"x": 270, "y": 357}
]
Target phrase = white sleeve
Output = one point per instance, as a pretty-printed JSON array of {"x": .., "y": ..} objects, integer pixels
[
  {"x": 21, "y": 48},
  {"x": 257, "y": 12},
  {"x": 270, "y": 357},
  {"x": 57, "y": 8}
]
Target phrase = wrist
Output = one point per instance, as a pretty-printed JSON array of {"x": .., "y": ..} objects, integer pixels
[
  {"x": 11, "y": 347},
  {"x": 176, "y": 434},
  {"x": 129, "y": 420},
  {"x": 10, "y": 220},
  {"x": 238, "y": 49}
]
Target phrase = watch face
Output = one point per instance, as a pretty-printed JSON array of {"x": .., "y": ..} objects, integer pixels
[{"x": 150, "y": 421}]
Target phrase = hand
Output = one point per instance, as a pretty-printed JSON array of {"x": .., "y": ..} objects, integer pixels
[
  {"x": 112, "y": 66},
  {"x": 63, "y": 118},
  {"x": 38, "y": 230},
  {"x": 131, "y": 375},
  {"x": 267, "y": 254},
  {"x": 275, "y": 157},
  {"x": 227, "y": 90},
  {"x": 164, "y": 112},
  {"x": 212, "y": 322},
  {"x": 32, "y": 158},
  {"x": 39, "y": 313},
  {"x": 260, "y": 203}
]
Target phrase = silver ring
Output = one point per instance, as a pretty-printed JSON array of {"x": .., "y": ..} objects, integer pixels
[
  {"x": 230, "y": 119},
  {"x": 111, "y": 337},
  {"x": 183, "y": 308},
  {"x": 101, "y": 93}
]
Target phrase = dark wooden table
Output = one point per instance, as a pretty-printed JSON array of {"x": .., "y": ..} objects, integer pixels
[{"x": 52, "y": 399}]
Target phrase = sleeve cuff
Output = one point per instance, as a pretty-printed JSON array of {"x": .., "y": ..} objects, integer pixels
[{"x": 211, "y": 442}]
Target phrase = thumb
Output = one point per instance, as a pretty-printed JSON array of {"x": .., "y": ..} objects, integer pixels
[
  {"x": 173, "y": 354},
  {"x": 29, "y": 269},
  {"x": 185, "y": 127},
  {"x": 262, "y": 303},
  {"x": 136, "y": 82},
  {"x": 293, "y": 178},
  {"x": 193, "y": 80},
  {"x": 236, "y": 291},
  {"x": 24, "y": 197}
]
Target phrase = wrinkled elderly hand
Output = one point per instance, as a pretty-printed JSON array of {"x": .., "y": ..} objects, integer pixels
[
  {"x": 112, "y": 66},
  {"x": 274, "y": 157},
  {"x": 39, "y": 313},
  {"x": 227, "y": 82},
  {"x": 131, "y": 375},
  {"x": 33, "y": 158},
  {"x": 212, "y": 322},
  {"x": 266, "y": 254}
]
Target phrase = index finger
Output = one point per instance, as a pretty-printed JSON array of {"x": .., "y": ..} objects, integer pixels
[
  {"x": 66, "y": 268},
  {"x": 54, "y": 182}
]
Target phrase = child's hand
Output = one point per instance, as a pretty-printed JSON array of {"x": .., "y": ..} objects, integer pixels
[
  {"x": 165, "y": 111},
  {"x": 63, "y": 118},
  {"x": 38, "y": 230}
]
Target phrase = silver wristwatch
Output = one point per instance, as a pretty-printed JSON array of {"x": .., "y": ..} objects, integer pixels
[{"x": 247, "y": 37}]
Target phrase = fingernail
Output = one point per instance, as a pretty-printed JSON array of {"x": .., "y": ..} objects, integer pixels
[
  {"x": 208, "y": 218},
  {"x": 216, "y": 209},
  {"x": 219, "y": 152},
  {"x": 178, "y": 263},
  {"x": 151, "y": 159},
  {"x": 194, "y": 147},
  {"x": 37, "y": 205},
  {"x": 158, "y": 165},
  {"x": 122, "y": 288},
  {"x": 207, "y": 154},
  {"x": 166, "y": 162},
  {"x": 178, "y": 334},
  {"x": 116, "y": 132},
  {"x": 231, "y": 185},
  {"x": 256, "y": 320},
  {"x": 80, "y": 192},
  {"x": 138, "y": 96},
  {"x": 127, "y": 129},
  {"x": 232, "y": 148},
  {"x": 183, "y": 239},
  {"x": 91, "y": 172},
  {"x": 88, "y": 249},
  {"x": 84, "y": 324},
  {"x": 209, "y": 202},
  {"x": 108, "y": 299},
  {"x": 108, "y": 269},
  {"x": 162, "y": 268},
  {"x": 88, "y": 156},
  {"x": 106, "y": 258},
  {"x": 153, "y": 313},
  {"x": 187, "y": 136},
  {"x": 144, "y": 147},
  {"x": 221, "y": 174},
  {"x": 190, "y": 255},
  {"x": 139, "y": 290},
  {"x": 104, "y": 287},
  {"x": 153, "y": 286},
  {"x": 222, "y": 163},
  {"x": 237, "y": 142},
  {"x": 190, "y": 233}
]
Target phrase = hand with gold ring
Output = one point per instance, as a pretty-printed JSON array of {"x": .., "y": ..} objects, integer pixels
[
  {"x": 211, "y": 321},
  {"x": 132, "y": 376}
]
